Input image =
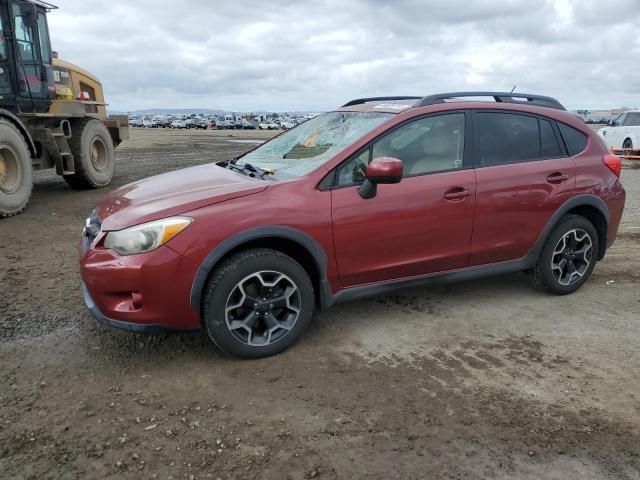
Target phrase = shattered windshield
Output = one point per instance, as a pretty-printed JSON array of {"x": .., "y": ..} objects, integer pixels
[{"x": 304, "y": 148}]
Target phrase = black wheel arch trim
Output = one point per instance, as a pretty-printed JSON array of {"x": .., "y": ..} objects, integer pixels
[
  {"x": 575, "y": 202},
  {"x": 22, "y": 129},
  {"x": 303, "y": 239}
]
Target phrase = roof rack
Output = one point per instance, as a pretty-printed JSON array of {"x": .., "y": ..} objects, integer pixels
[
  {"x": 499, "y": 97},
  {"x": 358, "y": 101}
]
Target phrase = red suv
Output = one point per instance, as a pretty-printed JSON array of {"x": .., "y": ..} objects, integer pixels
[{"x": 381, "y": 194}]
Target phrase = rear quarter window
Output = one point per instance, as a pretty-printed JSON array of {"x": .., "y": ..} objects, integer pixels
[{"x": 575, "y": 140}]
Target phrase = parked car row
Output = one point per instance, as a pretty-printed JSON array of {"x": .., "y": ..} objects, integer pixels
[{"x": 225, "y": 123}]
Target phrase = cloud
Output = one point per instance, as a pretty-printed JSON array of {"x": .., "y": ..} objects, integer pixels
[{"x": 282, "y": 55}]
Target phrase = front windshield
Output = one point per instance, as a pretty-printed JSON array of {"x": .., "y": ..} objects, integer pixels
[{"x": 304, "y": 148}]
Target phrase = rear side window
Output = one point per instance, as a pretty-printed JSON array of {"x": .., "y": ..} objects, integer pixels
[
  {"x": 575, "y": 140},
  {"x": 549, "y": 144},
  {"x": 507, "y": 138},
  {"x": 632, "y": 119}
]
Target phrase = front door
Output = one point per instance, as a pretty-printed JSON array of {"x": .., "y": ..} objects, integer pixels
[{"x": 421, "y": 225}]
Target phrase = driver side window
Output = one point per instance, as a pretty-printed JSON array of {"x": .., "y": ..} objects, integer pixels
[{"x": 427, "y": 145}]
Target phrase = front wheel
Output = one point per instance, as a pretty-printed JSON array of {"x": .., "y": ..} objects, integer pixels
[
  {"x": 93, "y": 155},
  {"x": 568, "y": 256},
  {"x": 16, "y": 171},
  {"x": 258, "y": 303}
]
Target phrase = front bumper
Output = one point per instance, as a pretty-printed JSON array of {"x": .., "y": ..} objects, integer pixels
[
  {"x": 149, "y": 292},
  {"x": 110, "y": 322}
]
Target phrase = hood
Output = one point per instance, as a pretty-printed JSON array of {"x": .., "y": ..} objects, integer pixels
[{"x": 173, "y": 193}]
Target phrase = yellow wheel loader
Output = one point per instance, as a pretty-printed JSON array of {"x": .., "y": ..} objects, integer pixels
[{"x": 52, "y": 113}]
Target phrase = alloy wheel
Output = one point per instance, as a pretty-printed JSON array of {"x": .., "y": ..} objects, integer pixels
[
  {"x": 98, "y": 154},
  {"x": 262, "y": 308},
  {"x": 572, "y": 256},
  {"x": 10, "y": 171}
]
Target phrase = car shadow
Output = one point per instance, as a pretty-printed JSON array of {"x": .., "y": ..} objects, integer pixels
[{"x": 327, "y": 325}]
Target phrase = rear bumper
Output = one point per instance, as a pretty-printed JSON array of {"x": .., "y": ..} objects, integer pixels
[{"x": 616, "y": 204}]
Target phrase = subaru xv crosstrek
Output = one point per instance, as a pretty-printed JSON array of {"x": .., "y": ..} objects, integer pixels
[{"x": 380, "y": 194}]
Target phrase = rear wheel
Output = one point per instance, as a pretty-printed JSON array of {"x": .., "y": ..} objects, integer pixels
[
  {"x": 258, "y": 303},
  {"x": 16, "y": 172},
  {"x": 568, "y": 256},
  {"x": 93, "y": 155}
]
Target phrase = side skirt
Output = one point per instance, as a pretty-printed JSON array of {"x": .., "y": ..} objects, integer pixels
[{"x": 463, "y": 274}]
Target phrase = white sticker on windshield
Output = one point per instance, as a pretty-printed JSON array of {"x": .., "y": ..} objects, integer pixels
[{"x": 392, "y": 106}]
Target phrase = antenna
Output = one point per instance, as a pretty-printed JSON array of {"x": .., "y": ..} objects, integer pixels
[{"x": 513, "y": 89}]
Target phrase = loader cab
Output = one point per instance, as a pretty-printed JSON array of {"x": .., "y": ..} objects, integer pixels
[{"x": 26, "y": 73}]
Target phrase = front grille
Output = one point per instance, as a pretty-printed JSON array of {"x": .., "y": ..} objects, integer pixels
[{"x": 92, "y": 227}]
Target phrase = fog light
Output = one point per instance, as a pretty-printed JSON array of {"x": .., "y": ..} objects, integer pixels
[{"x": 136, "y": 300}]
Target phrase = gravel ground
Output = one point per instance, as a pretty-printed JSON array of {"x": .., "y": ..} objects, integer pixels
[{"x": 483, "y": 379}]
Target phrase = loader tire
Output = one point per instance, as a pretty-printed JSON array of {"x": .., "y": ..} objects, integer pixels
[
  {"x": 93, "y": 155},
  {"x": 16, "y": 171}
]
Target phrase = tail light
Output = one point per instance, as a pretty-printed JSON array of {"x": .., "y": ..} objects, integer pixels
[{"x": 614, "y": 163}]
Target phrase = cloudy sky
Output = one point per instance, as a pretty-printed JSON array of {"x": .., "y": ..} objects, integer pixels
[{"x": 314, "y": 55}]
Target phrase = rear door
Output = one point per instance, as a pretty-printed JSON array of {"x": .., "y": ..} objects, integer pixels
[
  {"x": 524, "y": 174},
  {"x": 630, "y": 129},
  {"x": 419, "y": 226}
]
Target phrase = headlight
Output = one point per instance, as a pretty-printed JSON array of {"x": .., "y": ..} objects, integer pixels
[{"x": 146, "y": 237}]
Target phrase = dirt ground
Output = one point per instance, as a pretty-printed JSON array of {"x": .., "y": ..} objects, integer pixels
[{"x": 484, "y": 379}]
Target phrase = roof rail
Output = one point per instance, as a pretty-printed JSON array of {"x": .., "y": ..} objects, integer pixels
[
  {"x": 499, "y": 97},
  {"x": 359, "y": 101}
]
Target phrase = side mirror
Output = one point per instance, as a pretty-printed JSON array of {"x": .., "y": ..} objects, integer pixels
[{"x": 381, "y": 170}]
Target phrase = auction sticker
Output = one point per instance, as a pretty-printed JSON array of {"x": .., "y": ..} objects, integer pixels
[{"x": 392, "y": 106}]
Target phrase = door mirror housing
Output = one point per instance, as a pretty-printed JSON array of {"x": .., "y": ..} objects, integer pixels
[
  {"x": 381, "y": 170},
  {"x": 385, "y": 170}
]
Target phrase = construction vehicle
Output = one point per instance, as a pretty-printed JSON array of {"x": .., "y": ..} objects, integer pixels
[{"x": 52, "y": 113}]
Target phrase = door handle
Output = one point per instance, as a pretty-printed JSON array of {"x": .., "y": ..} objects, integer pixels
[
  {"x": 456, "y": 194},
  {"x": 557, "y": 177}
]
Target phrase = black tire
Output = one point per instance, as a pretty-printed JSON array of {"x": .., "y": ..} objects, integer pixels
[
  {"x": 93, "y": 155},
  {"x": 627, "y": 143},
  {"x": 16, "y": 171},
  {"x": 223, "y": 284},
  {"x": 545, "y": 277}
]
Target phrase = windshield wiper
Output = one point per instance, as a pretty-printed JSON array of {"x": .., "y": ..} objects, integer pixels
[{"x": 248, "y": 169}]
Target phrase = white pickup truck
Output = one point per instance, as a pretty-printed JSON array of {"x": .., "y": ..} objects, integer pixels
[{"x": 624, "y": 131}]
